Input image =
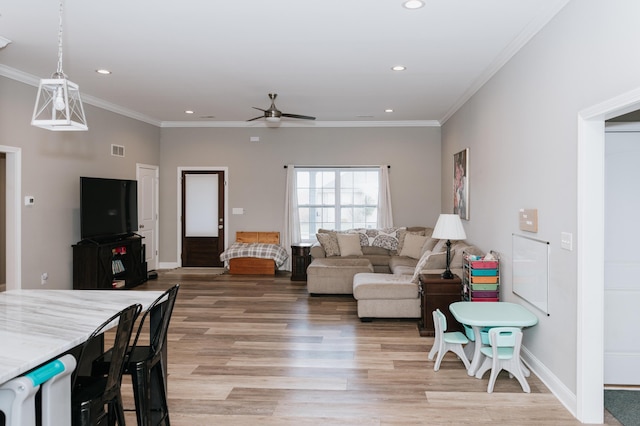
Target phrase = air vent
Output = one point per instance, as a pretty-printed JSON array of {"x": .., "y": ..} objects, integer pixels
[{"x": 117, "y": 150}]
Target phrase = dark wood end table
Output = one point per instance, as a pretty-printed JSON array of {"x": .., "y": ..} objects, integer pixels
[
  {"x": 438, "y": 293},
  {"x": 300, "y": 260}
]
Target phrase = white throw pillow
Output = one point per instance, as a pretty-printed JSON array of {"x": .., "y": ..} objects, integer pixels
[
  {"x": 412, "y": 246},
  {"x": 349, "y": 245},
  {"x": 423, "y": 261}
]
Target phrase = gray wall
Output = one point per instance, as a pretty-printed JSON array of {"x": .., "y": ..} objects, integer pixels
[
  {"x": 257, "y": 175},
  {"x": 52, "y": 163},
  {"x": 521, "y": 128}
]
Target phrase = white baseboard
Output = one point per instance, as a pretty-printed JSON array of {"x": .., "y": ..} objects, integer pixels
[
  {"x": 564, "y": 394},
  {"x": 168, "y": 265}
]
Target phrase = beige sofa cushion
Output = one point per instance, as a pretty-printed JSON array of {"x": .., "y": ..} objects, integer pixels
[
  {"x": 402, "y": 265},
  {"x": 349, "y": 245},
  {"x": 403, "y": 234},
  {"x": 334, "y": 275},
  {"x": 383, "y": 286},
  {"x": 412, "y": 246}
]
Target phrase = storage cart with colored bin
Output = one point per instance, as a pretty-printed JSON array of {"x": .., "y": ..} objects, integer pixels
[{"x": 481, "y": 278}]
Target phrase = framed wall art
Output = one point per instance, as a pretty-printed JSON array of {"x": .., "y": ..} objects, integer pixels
[{"x": 461, "y": 184}]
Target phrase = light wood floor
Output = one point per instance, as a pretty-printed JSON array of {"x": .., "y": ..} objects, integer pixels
[{"x": 258, "y": 350}]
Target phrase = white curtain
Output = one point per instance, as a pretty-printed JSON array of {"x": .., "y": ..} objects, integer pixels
[
  {"x": 291, "y": 219},
  {"x": 385, "y": 215}
]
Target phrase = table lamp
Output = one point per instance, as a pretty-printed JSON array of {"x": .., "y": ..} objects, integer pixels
[{"x": 449, "y": 227}]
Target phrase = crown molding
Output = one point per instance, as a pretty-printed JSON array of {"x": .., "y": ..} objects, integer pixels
[{"x": 302, "y": 124}]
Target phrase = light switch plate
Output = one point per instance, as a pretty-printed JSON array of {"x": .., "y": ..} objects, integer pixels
[
  {"x": 237, "y": 210},
  {"x": 566, "y": 240}
]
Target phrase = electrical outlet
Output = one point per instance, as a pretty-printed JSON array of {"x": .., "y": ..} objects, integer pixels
[{"x": 43, "y": 278}]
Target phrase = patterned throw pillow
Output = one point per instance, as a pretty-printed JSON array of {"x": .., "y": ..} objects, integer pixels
[
  {"x": 386, "y": 238},
  {"x": 329, "y": 242}
]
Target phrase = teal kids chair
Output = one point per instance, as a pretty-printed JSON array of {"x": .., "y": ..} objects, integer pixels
[
  {"x": 446, "y": 341},
  {"x": 503, "y": 354}
]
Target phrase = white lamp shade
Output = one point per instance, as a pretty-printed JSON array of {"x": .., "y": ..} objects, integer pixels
[{"x": 449, "y": 227}]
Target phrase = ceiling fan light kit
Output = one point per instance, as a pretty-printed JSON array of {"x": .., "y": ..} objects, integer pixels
[
  {"x": 58, "y": 104},
  {"x": 273, "y": 115}
]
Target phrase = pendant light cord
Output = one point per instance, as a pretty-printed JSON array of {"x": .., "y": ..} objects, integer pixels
[{"x": 60, "y": 73}]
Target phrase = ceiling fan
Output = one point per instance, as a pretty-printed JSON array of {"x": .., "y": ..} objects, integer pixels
[{"x": 273, "y": 114}]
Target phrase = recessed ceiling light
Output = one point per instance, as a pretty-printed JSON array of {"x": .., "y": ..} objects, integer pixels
[
  {"x": 388, "y": 110},
  {"x": 399, "y": 68},
  {"x": 103, "y": 71},
  {"x": 413, "y": 4},
  {"x": 188, "y": 111}
]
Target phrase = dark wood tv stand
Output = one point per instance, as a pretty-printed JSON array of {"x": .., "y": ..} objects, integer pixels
[{"x": 119, "y": 263}]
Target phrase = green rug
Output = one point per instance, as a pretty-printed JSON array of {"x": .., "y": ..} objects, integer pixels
[{"x": 624, "y": 405}]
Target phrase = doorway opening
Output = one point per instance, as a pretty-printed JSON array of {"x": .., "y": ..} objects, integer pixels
[
  {"x": 590, "y": 270},
  {"x": 12, "y": 220}
]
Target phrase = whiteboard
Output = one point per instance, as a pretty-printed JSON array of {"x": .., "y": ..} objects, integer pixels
[{"x": 531, "y": 270}]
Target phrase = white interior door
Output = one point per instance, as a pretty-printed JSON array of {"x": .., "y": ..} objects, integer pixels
[
  {"x": 622, "y": 264},
  {"x": 148, "y": 191}
]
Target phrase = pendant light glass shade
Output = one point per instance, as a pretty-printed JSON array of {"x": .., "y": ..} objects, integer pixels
[{"x": 58, "y": 104}]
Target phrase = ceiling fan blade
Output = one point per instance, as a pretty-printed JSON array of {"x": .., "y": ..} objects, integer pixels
[
  {"x": 256, "y": 118},
  {"x": 303, "y": 117},
  {"x": 260, "y": 109}
]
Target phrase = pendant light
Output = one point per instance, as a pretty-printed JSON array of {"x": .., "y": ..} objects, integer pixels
[{"x": 58, "y": 105}]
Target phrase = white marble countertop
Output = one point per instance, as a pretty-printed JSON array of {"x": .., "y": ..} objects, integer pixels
[{"x": 38, "y": 325}]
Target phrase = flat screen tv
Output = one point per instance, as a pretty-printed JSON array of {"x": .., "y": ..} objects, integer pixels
[{"x": 108, "y": 208}]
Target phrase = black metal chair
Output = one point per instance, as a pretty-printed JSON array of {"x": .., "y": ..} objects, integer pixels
[
  {"x": 90, "y": 394},
  {"x": 146, "y": 364}
]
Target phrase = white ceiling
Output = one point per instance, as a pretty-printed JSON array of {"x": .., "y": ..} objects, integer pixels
[{"x": 330, "y": 59}]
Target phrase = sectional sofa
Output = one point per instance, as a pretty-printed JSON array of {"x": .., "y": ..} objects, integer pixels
[{"x": 380, "y": 267}]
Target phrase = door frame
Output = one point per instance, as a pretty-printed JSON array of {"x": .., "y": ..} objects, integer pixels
[
  {"x": 590, "y": 253},
  {"x": 181, "y": 169},
  {"x": 13, "y": 223},
  {"x": 156, "y": 222}
]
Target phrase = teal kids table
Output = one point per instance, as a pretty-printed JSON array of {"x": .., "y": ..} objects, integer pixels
[{"x": 478, "y": 315}]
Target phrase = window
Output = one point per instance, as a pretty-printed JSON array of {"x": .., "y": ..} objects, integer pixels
[{"x": 337, "y": 198}]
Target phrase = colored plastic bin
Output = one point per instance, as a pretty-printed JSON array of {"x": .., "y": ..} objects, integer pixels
[
  {"x": 490, "y": 287},
  {"x": 484, "y": 280},
  {"x": 484, "y": 272},
  {"x": 484, "y": 293},
  {"x": 484, "y": 264}
]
